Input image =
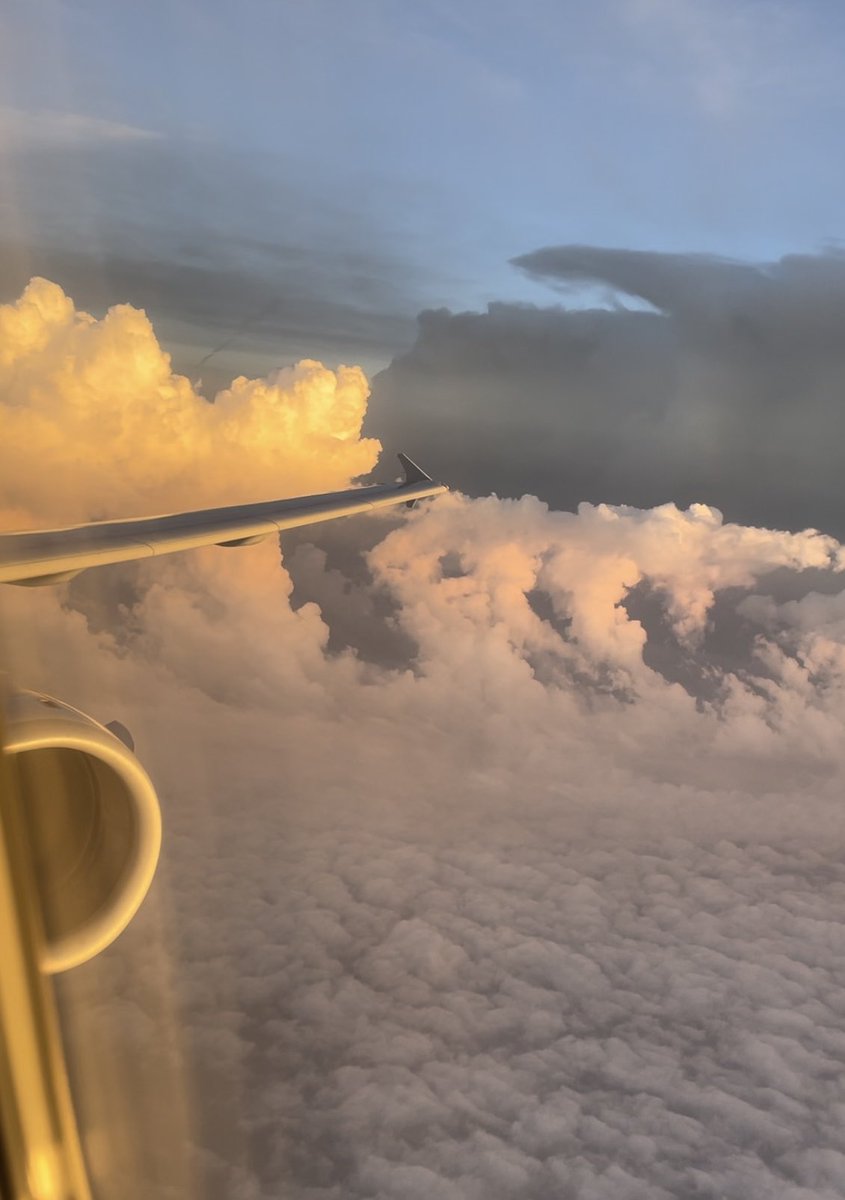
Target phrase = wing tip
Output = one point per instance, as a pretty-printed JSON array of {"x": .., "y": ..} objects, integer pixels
[{"x": 413, "y": 473}]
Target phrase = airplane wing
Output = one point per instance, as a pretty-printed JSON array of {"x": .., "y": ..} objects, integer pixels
[{"x": 54, "y": 555}]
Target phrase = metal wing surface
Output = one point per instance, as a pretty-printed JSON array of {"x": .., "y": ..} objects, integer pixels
[{"x": 53, "y": 555}]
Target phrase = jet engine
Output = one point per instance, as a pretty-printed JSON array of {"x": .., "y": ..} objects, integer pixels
[{"x": 91, "y": 820}]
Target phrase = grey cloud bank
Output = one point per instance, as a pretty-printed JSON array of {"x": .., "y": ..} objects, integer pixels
[{"x": 728, "y": 392}]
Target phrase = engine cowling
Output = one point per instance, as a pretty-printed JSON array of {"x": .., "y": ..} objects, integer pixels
[{"x": 92, "y": 820}]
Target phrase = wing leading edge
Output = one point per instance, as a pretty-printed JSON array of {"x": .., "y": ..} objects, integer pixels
[{"x": 54, "y": 555}]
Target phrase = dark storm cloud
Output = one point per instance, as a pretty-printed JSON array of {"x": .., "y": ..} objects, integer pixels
[{"x": 730, "y": 391}]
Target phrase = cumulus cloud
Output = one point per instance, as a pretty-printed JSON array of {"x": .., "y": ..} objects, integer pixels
[
  {"x": 721, "y": 386},
  {"x": 97, "y": 424},
  {"x": 541, "y": 902}
]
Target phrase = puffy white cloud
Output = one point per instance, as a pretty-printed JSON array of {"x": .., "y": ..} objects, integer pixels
[
  {"x": 96, "y": 424},
  {"x": 544, "y": 902}
]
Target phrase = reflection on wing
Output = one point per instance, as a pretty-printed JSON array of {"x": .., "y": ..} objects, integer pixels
[{"x": 53, "y": 555}]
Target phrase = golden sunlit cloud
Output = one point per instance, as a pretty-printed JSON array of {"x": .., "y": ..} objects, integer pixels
[{"x": 96, "y": 423}]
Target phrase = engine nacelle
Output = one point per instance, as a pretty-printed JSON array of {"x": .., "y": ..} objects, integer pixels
[{"x": 93, "y": 824}]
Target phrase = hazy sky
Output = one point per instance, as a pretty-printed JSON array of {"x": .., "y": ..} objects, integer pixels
[
  {"x": 321, "y": 171},
  {"x": 503, "y": 838}
]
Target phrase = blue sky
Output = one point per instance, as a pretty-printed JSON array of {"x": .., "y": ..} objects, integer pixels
[{"x": 454, "y": 136}]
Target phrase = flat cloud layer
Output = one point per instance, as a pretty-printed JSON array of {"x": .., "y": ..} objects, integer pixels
[
  {"x": 546, "y": 901},
  {"x": 722, "y": 384}
]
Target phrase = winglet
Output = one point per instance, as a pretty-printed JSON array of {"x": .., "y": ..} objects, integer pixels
[{"x": 413, "y": 473}]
